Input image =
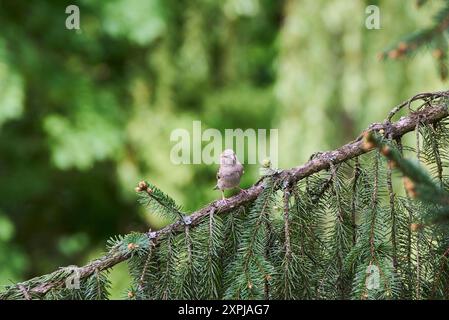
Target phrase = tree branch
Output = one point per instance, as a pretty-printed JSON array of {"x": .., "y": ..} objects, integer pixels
[{"x": 430, "y": 114}]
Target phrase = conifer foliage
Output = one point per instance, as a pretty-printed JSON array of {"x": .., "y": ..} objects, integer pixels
[
  {"x": 366, "y": 221},
  {"x": 432, "y": 38}
]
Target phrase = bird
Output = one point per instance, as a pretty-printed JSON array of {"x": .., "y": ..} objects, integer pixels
[{"x": 229, "y": 173}]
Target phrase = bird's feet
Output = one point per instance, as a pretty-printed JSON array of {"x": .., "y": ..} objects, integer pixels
[
  {"x": 222, "y": 202},
  {"x": 223, "y": 199},
  {"x": 243, "y": 191}
]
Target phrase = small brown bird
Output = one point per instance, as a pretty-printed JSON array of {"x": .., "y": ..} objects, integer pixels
[{"x": 229, "y": 173}]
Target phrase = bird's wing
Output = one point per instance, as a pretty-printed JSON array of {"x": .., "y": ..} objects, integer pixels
[
  {"x": 240, "y": 168},
  {"x": 218, "y": 174}
]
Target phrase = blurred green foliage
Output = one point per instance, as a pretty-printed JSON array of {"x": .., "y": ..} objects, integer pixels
[{"x": 85, "y": 115}]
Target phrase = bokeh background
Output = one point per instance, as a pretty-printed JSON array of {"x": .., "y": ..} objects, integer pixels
[{"x": 85, "y": 115}]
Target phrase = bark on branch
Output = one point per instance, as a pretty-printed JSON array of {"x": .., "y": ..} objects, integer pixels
[{"x": 430, "y": 114}]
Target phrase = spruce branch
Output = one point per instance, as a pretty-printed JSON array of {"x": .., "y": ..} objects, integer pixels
[
  {"x": 418, "y": 183},
  {"x": 433, "y": 111},
  {"x": 431, "y": 38},
  {"x": 354, "y": 199},
  {"x": 158, "y": 201},
  {"x": 287, "y": 231},
  {"x": 391, "y": 196}
]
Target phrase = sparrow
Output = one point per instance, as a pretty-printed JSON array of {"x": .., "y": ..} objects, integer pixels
[{"x": 229, "y": 173}]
